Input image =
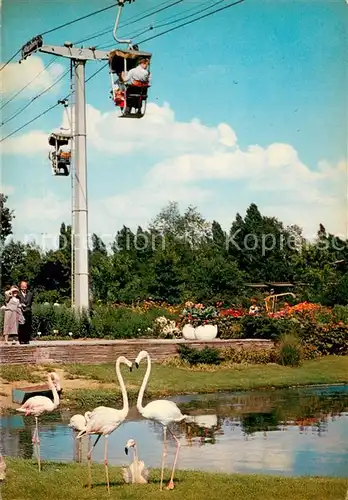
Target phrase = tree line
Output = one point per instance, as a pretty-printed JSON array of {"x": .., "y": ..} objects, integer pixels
[{"x": 182, "y": 256}]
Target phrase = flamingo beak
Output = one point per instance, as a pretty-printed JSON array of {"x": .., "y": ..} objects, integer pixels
[
  {"x": 136, "y": 365},
  {"x": 131, "y": 368},
  {"x": 126, "y": 450}
]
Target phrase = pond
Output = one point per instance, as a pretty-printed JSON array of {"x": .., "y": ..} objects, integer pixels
[{"x": 292, "y": 432}]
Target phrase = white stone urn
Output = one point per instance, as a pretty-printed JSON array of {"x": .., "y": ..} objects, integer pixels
[
  {"x": 206, "y": 332},
  {"x": 203, "y": 332},
  {"x": 188, "y": 332}
]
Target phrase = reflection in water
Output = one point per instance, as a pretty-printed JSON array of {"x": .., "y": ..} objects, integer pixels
[{"x": 288, "y": 432}]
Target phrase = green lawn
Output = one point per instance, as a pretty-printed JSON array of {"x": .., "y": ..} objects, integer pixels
[
  {"x": 69, "y": 482},
  {"x": 170, "y": 380}
]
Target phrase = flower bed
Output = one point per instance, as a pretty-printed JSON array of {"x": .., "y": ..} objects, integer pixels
[{"x": 321, "y": 330}]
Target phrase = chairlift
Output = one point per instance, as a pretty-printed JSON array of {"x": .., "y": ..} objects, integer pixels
[
  {"x": 128, "y": 96},
  {"x": 60, "y": 158}
]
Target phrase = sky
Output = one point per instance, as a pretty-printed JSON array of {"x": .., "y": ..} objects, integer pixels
[{"x": 246, "y": 106}]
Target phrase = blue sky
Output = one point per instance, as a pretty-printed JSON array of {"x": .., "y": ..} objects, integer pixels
[{"x": 248, "y": 105}]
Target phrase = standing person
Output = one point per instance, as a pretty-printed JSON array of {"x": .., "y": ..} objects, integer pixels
[
  {"x": 13, "y": 313},
  {"x": 26, "y": 299}
]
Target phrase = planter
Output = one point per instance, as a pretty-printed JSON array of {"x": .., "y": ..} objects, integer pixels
[
  {"x": 188, "y": 332},
  {"x": 203, "y": 332}
]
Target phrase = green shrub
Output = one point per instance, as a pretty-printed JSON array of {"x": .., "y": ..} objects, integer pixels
[
  {"x": 264, "y": 327},
  {"x": 326, "y": 339},
  {"x": 250, "y": 356},
  {"x": 290, "y": 351},
  {"x": 207, "y": 355},
  {"x": 105, "y": 322},
  {"x": 228, "y": 327}
]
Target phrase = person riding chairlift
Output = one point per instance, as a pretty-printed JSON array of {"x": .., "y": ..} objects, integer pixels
[
  {"x": 136, "y": 77},
  {"x": 64, "y": 153}
]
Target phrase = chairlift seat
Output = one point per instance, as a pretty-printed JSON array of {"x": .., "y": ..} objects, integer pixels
[{"x": 58, "y": 139}]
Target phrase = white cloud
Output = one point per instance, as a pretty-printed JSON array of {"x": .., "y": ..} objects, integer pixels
[
  {"x": 38, "y": 219},
  {"x": 193, "y": 163},
  {"x": 26, "y": 144},
  {"x": 30, "y": 73}
]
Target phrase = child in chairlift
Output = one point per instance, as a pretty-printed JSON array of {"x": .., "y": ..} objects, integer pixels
[{"x": 118, "y": 92}]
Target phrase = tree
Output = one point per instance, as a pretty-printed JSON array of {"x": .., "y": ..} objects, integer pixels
[
  {"x": 166, "y": 283},
  {"x": 190, "y": 227},
  {"x": 6, "y": 218}
]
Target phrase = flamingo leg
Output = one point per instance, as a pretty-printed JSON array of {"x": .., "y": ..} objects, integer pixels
[
  {"x": 106, "y": 462},
  {"x": 170, "y": 485},
  {"x": 89, "y": 455},
  {"x": 37, "y": 442},
  {"x": 164, "y": 453}
]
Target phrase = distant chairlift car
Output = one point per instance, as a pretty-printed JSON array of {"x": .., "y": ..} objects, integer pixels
[
  {"x": 128, "y": 97},
  {"x": 60, "y": 155}
]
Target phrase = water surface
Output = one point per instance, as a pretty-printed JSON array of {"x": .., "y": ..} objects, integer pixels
[{"x": 295, "y": 432}]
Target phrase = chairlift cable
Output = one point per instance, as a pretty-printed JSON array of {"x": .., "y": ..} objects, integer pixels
[
  {"x": 143, "y": 41},
  {"x": 78, "y": 19},
  {"x": 133, "y": 20},
  {"x": 62, "y": 26},
  {"x": 31, "y": 121},
  {"x": 34, "y": 99},
  {"x": 29, "y": 83},
  {"x": 167, "y": 23},
  {"x": 193, "y": 20},
  {"x": 11, "y": 59}
]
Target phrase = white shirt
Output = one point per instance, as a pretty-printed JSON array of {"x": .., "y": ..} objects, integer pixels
[{"x": 139, "y": 74}]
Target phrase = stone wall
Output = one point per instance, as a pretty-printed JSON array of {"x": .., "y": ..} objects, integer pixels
[{"x": 98, "y": 351}]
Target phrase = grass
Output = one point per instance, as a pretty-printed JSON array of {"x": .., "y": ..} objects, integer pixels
[
  {"x": 24, "y": 482},
  {"x": 166, "y": 380},
  {"x": 15, "y": 373}
]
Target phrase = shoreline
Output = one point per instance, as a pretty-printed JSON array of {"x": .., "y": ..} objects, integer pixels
[{"x": 90, "y": 385}]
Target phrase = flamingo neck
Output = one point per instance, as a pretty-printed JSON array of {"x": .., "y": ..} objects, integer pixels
[
  {"x": 143, "y": 385},
  {"x": 54, "y": 392},
  {"x": 123, "y": 388}
]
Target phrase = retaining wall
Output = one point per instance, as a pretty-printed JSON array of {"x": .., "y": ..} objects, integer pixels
[{"x": 106, "y": 351}]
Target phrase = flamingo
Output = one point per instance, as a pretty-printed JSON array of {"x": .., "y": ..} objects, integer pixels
[
  {"x": 104, "y": 420},
  {"x": 37, "y": 405},
  {"x": 162, "y": 411},
  {"x": 136, "y": 472},
  {"x": 78, "y": 423},
  {"x": 56, "y": 380}
]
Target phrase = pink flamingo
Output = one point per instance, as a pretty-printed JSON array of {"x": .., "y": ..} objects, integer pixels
[
  {"x": 104, "y": 420},
  {"x": 37, "y": 405},
  {"x": 162, "y": 411}
]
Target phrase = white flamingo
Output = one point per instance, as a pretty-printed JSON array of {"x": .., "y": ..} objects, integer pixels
[
  {"x": 104, "y": 420},
  {"x": 78, "y": 423},
  {"x": 37, "y": 405},
  {"x": 136, "y": 472},
  {"x": 56, "y": 381},
  {"x": 162, "y": 411}
]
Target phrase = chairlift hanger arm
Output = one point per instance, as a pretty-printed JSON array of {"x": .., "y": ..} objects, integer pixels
[{"x": 118, "y": 17}]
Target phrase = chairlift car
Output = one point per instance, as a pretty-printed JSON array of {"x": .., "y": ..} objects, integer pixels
[
  {"x": 60, "y": 156},
  {"x": 133, "y": 96}
]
